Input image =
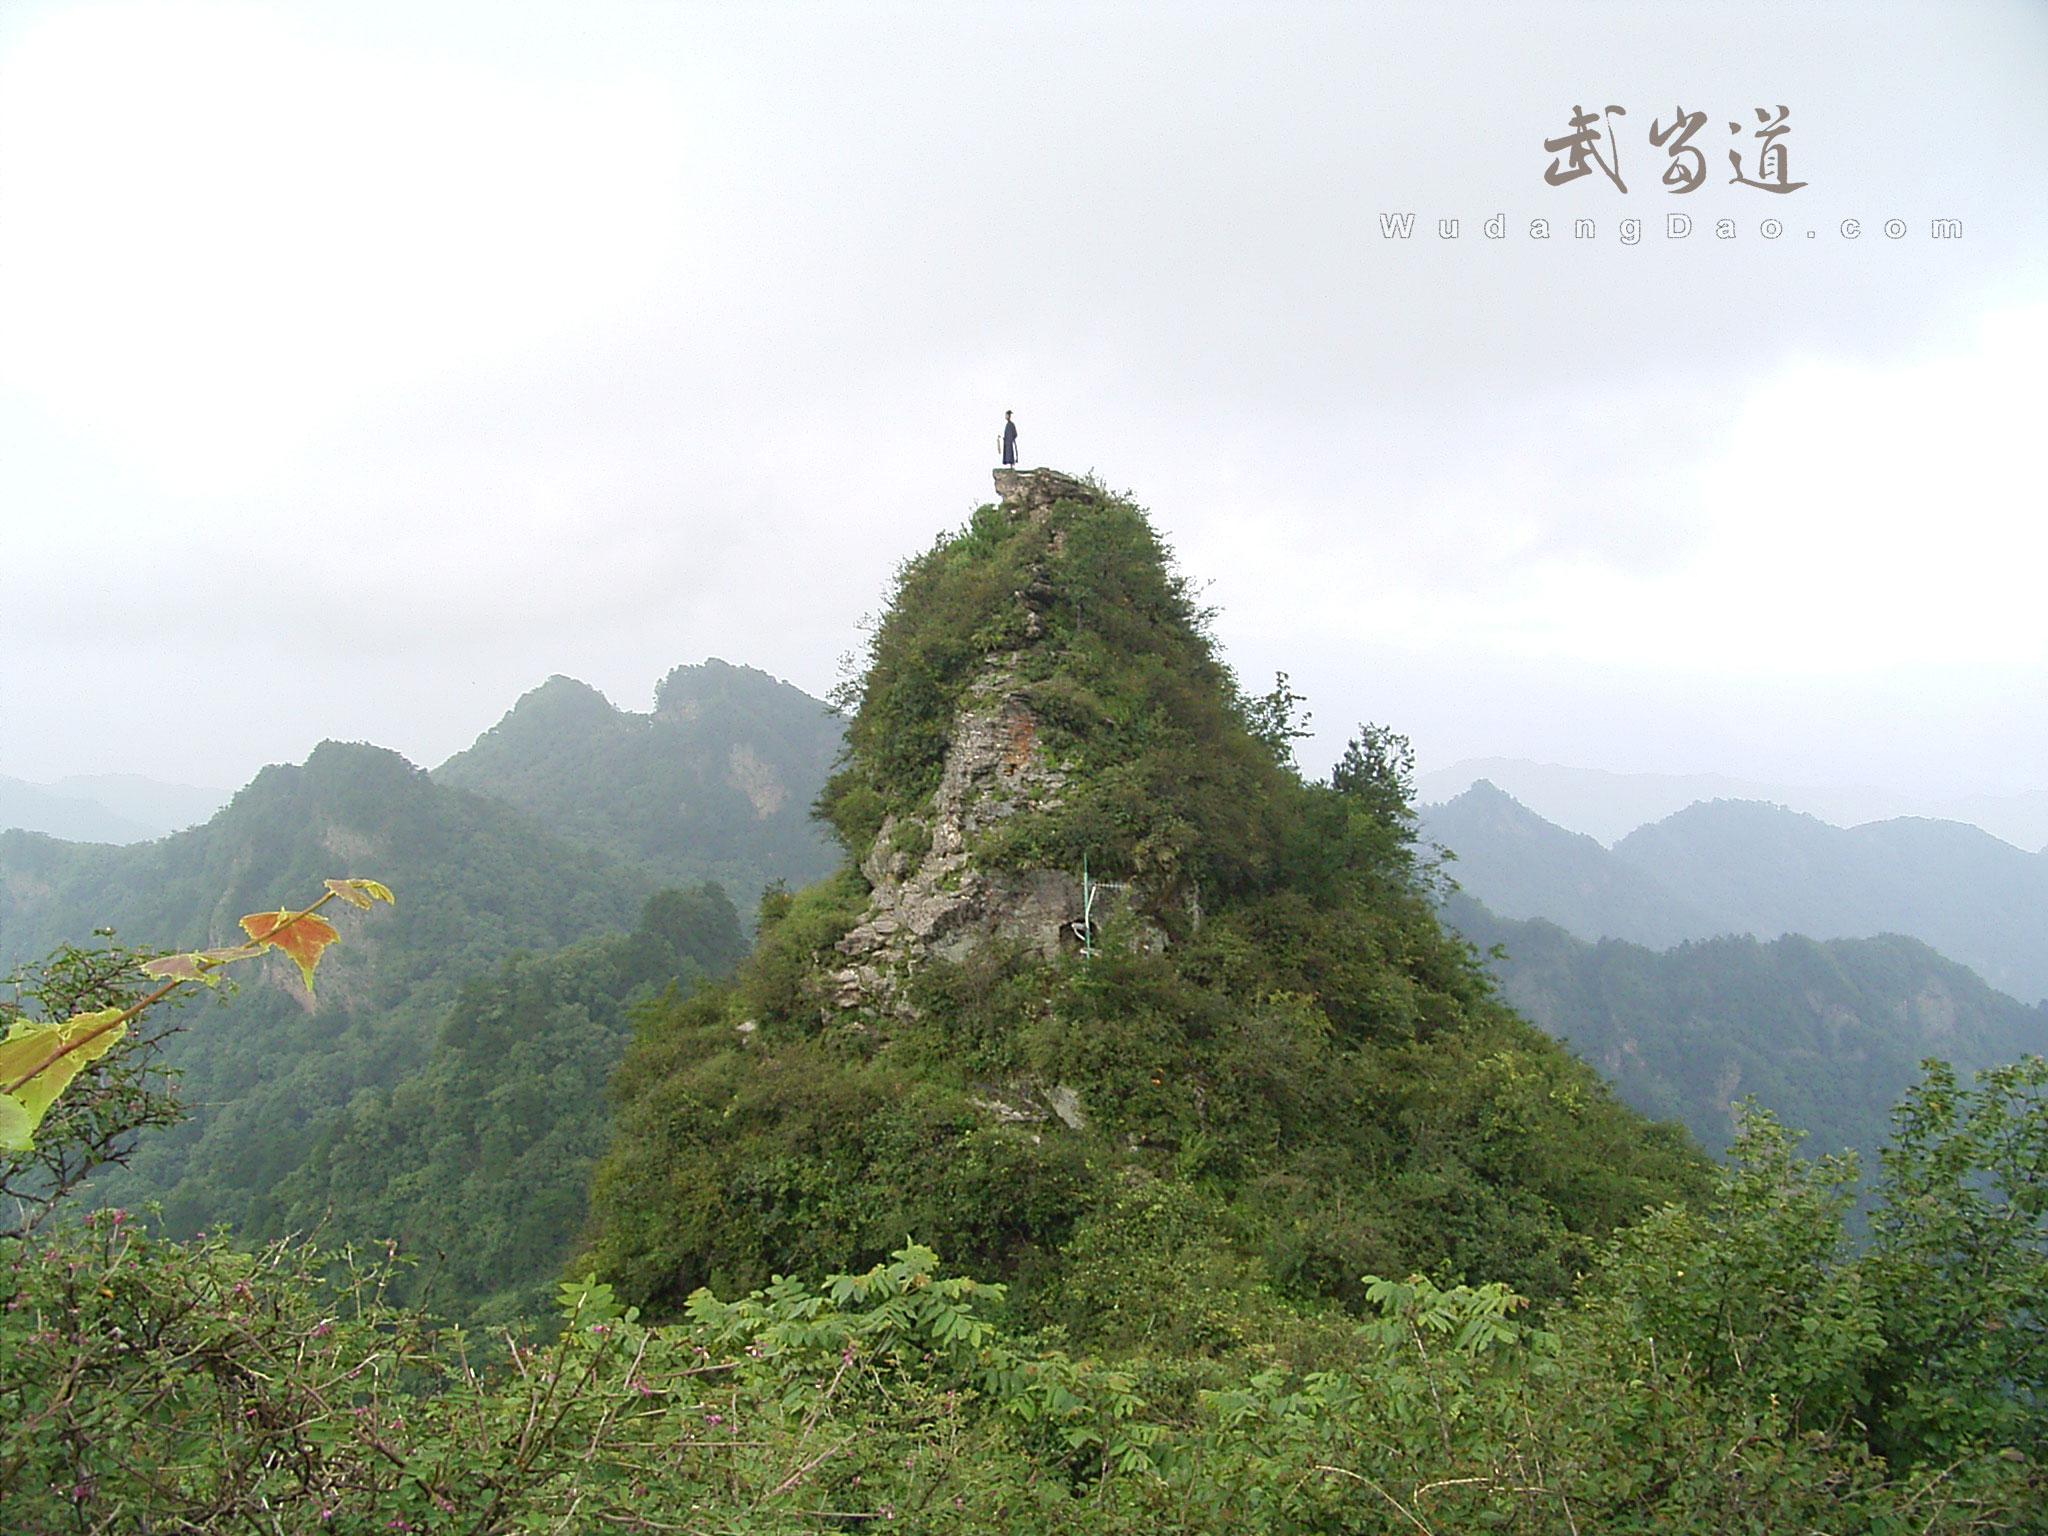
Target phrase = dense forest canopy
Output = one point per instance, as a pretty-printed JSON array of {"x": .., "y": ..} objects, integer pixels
[{"x": 1828, "y": 1033}]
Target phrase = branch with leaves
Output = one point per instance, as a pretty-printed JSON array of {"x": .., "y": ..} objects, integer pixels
[{"x": 39, "y": 1058}]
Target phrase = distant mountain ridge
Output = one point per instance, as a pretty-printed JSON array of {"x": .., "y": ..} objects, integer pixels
[
  {"x": 106, "y": 807},
  {"x": 1609, "y": 806},
  {"x": 1522, "y": 866},
  {"x": 715, "y": 784},
  {"x": 1827, "y": 1034},
  {"x": 1740, "y": 867}
]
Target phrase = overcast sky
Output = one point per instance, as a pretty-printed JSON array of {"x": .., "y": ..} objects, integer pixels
[{"x": 361, "y": 365}]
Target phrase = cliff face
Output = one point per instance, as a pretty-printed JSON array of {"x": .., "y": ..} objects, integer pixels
[
  {"x": 933, "y": 890},
  {"x": 1270, "y": 1069},
  {"x": 930, "y": 893}
]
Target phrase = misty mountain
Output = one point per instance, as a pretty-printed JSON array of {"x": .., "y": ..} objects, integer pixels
[
  {"x": 1740, "y": 867},
  {"x": 1609, "y": 806},
  {"x": 715, "y": 784},
  {"x": 1766, "y": 870},
  {"x": 1826, "y": 1033},
  {"x": 105, "y": 807},
  {"x": 1523, "y": 866},
  {"x": 29, "y": 807}
]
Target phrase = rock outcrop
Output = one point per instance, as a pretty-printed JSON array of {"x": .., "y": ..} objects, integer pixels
[
  {"x": 930, "y": 895},
  {"x": 1028, "y": 492},
  {"x": 1301, "y": 1084}
]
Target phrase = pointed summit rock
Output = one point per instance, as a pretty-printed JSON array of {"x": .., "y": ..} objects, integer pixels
[
  {"x": 1107, "y": 1000},
  {"x": 1031, "y": 492},
  {"x": 1090, "y": 734}
]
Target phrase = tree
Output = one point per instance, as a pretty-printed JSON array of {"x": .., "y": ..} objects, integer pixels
[
  {"x": 1959, "y": 1254},
  {"x": 115, "y": 1097}
]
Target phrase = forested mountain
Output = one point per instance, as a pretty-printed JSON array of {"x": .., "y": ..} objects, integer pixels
[
  {"x": 1267, "y": 1071},
  {"x": 1827, "y": 1034},
  {"x": 716, "y": 784},
  {"x": 479, "y": 1163},
  {"x": 1727, "y": 867},
  {"x": 266, "y": 1077}
]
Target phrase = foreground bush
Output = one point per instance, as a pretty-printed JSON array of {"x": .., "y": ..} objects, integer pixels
[{"x": 1726, "y": 1370}]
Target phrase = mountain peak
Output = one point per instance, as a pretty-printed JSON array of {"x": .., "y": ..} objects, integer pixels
[
  {"x": 1265, "y": 1032},
  {"x": 1042, "y": 703}
]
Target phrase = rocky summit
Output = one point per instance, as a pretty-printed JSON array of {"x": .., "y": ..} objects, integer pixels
[
  {"x": 1107, "y": 999},
  {"x": 932, "y": 890}
]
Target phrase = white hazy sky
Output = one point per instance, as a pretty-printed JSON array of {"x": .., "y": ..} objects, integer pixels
[{"x": 361, "y": 365}]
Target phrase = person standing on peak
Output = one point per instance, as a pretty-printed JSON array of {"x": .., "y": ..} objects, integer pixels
[{"x": 1009, "y": 442}]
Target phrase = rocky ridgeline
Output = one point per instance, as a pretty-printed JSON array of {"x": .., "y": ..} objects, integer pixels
[{"x": 930, "y": 893}]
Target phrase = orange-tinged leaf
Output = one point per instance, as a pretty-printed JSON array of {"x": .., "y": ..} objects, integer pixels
[
  {"x": 302, "y": 935},
  {"x": 27, "y": 1048},
  {"x": 359, "y": 893}
]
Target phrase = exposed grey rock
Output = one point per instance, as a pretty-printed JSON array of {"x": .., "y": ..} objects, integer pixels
[
  {"x": 942, "y": 901},
  {"x": 1066, "y": 1103},
  {"x": 1028, "y": 492},
  {"x": 1028, "y": 1102},
  {"x": 932, "y": 891},
  {"x": 1010, "y": 1114}
]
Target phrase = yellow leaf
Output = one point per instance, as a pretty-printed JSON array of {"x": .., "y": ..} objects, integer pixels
[
  {"x": 179, "y": 968},
  {"x": 17, "y": 1126},
  {"x": 358, "y": 893},
  {"x": 27, "y": 1052}
]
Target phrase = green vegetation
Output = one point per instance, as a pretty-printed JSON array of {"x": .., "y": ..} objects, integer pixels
[
  {"x": 1827, "y": 1034},
  {"x": 480, "y": 1161},
  {"x": 714, "y": 785},
  {"x": 1727, "y": 1367},
  {"x": 266, "y": 1080},
  {"x": 1280, "y": 1072},
  {"x": 98, "y": 1116},
  {"x": 1169, "y": 783}
]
